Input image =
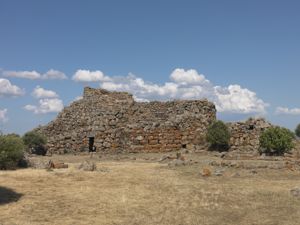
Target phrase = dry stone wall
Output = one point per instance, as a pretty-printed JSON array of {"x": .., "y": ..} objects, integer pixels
[
  {"x": 245, "y": 135},
  {"x": 117, "y": 123}
]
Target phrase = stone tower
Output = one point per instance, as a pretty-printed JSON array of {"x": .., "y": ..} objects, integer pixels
[{"x": 114, "y": 122}]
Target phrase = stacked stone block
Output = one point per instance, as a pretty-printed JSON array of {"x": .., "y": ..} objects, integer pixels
[{"x": 245, "y": 135}]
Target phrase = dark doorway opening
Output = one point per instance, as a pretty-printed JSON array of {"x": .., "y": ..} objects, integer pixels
[
  {"x": 91, "y": 144},
  {"x": 251, "y": 127}
]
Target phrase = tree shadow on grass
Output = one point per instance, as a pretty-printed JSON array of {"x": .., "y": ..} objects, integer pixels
[{"x": 8, "y": 195}]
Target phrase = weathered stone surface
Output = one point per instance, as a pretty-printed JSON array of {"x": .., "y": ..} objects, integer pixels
[
  {"x": 87, "y": 166},
  {"x": 219, "y": 172},
  {"x": 245, "y": 135},
  {"x": 119, "y": 124}
]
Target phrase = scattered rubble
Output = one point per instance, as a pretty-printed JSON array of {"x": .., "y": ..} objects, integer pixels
[
  {"x": 219, "y": 172},
  {"x": 250, "y": 164}
]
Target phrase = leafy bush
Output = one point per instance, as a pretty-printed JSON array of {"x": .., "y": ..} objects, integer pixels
[
  {"x": 12, "y": 135},
  {"x": 11, "y": 151},
  {"x": 218, "y": 136},
  {"x": 35, "y": 143},
  {"x": 297, "y": 131},
  {"x": 276, "y": 141}
]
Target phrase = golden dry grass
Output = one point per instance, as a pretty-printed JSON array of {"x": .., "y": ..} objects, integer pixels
[{"x": 149, "y": 193}]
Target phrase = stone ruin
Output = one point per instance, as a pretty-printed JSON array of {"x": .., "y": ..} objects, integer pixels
[
  {"x": 245, "y": 135},
  {"x": 113, "y": 122}
]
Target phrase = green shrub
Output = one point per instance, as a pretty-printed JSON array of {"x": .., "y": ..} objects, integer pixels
[
  {"x": 297, "y": 131},
  {"x": 35, "y": 143},
  {"x": 276, "y": 141},
  {"x": 218, "y": 136},
  {"x": 11, "y": 151}
]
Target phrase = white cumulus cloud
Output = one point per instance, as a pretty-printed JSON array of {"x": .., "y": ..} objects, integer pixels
[
  {"x": 46, "y": 105},
  {"x": 89, "y": 76},
  {"x": 40, "y": 92},
  {"x": 8, "y": 89},
  {"x": 22, "y": 74},
  {"x": 236, "y": 99},
  {"x": 287, "y": 111},
  {"x": 189, "y": 84},
  {"x": 187, "y": 77},
  {"x": 141, "y": 89},
  {"x": 34, "y": 75},
  {"x": 3, "y": 117},
  {"x": 54, "y": 75},
  {"x": 49, "y": 101}
]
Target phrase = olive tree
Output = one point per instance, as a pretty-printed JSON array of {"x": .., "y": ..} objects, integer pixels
[
  {"x": 35, "y": 143},
  {"x": 11, "y": 151},
  {"x": 276, "y": 141},
  {"x": 218, "y": 136}
]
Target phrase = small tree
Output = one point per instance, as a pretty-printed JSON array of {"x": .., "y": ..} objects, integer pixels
[
  {"x": 11, "y": 151},
  {"x": 218, "y": 136},
  {"x": 276, "y": 141},
  {"x": 35, "y": 143},
  {"x": 297, "y": 130}
]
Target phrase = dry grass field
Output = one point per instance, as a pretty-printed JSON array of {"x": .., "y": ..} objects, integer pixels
[{"x": 144, "y": 192}]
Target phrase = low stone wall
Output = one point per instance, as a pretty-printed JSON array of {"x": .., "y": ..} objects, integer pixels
[{"x": 117, "y": 123}]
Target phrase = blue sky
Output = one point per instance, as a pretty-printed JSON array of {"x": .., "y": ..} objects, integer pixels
[{"x": 243, "y": 55}]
